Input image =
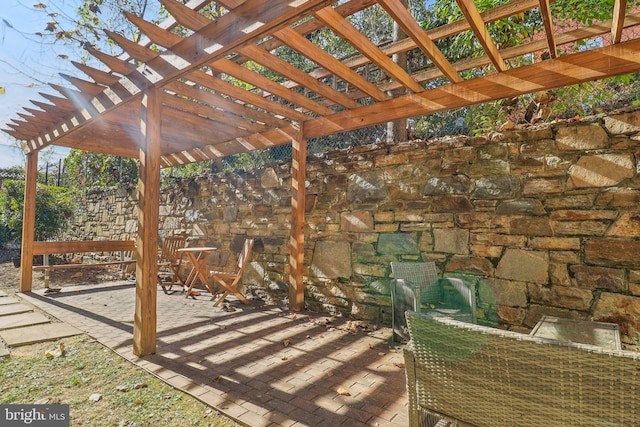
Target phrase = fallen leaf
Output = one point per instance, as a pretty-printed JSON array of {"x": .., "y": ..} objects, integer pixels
[
  {"x": 95, "y": 397},
  {"x": 508, "y": 125},
  {"x": 217, "y": 379},
  {"x": 138, "y": 402},
  {"x": 139, "y": 386},
  {"x": 286, "y": 342},
  {"x": 293, "y": 316},
  {"x": 122, "y": 388},
  {"x": 343, "y": 391},
  {"x": 285, "y": 358},
  {"x": 58, "y": 352},
  {"x": 330, "y": 373},
  {"x": 42, "y": 401}
]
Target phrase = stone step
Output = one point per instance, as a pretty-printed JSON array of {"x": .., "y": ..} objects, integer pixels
[
  {"x": 9, "y": 309},
  {"x": 39, "y": 333},
  {"x": 9, "y": 300},
  {"x": 23, "y": 319}
]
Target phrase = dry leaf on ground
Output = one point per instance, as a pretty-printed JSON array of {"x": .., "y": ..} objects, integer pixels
[
  {"x": 343, "y": 391},
  {"x": 58, "y": 352}
]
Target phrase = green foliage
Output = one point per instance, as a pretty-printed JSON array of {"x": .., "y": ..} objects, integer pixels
[
  {"x": 185, "y": 171},
  {"x": 375, "y": 23},
  {"x": 13, "y": 172},
  {"x": 508, "y": 32},
  {"x": 54, "y": 207},
  {"x": 89, "y": 170},
  {"x": 245, "y": 160},
  {"x": 597, "y": 96},
  {"x": 92, "y": 17},
  {"x": 585, "y": 11}
]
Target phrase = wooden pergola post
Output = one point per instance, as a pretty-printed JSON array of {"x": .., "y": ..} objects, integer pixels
[
  {"x": 144, "y": 327},
  {"x": 296, "y": 241},
  {"x": 28, "y": 221}
]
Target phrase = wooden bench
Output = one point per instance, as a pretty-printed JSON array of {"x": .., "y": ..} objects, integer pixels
[
  {"x": 474, "y": 375},
  {"x": 125, "y": 248}
]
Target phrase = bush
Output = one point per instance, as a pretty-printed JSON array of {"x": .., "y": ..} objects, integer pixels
[{"x": 54, "y": 207}]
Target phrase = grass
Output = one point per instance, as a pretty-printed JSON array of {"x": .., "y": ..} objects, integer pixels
[{"x": 129, "y": 395}]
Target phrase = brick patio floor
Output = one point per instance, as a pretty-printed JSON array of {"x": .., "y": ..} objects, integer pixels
[{"x": 260, "y": 364}]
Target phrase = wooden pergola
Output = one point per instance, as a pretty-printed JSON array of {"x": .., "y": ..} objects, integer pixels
[{"x": 169, "y": 100}]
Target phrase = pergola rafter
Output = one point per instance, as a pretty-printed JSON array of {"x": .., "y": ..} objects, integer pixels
[{"x": 226, "y": 88}]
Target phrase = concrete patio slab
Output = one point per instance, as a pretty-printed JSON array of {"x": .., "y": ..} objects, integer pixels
[
  {"x": 3, "y": 294},
  {"x": 38, "y": 333},
  {"x": 22, "y": 319},
  {"x": 4, "y": 351},
  {"x": 8, "y": 309},
  {"x": 9, "y": 300}
]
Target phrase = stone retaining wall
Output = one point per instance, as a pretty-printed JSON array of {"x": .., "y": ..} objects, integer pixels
[{"x": 546, "y": 220}]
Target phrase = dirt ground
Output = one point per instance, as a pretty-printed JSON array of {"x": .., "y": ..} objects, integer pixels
[{"x": 9, "y": 276}]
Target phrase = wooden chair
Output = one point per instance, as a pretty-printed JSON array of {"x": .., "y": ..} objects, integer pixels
[
  {"x": 229, "y": 280},
  {"x": 170, "y": 262}
]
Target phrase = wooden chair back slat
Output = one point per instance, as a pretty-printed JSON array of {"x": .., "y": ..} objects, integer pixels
[{"x": 170, "y": 246}]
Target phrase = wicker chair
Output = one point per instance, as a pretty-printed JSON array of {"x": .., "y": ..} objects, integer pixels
[
  {"x": 474, "y": 375},
  {"x": 416, "y": 286}
]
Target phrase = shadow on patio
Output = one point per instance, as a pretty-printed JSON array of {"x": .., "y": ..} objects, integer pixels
[{"x": 260, "y": 364}]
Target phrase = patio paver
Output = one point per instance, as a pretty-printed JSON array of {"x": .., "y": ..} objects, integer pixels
[{"x": 260, "y": 364}]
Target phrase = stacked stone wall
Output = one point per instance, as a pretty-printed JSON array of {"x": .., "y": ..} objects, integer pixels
[{"x": 546, "y": 220}]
